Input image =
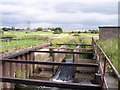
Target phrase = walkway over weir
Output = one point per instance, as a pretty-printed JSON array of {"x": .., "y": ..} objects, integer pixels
[{"x": 87, "y": 68}]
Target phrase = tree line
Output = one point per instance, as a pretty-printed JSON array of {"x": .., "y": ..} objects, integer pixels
[
  {"x": 56, "y": 30},
  {"x": 86, "y": 31}
]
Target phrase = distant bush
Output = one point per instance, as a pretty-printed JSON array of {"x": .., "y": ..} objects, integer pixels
[
  {"x": 57, "y": 31},
  {"x": 39, "y": 29},
  {"x": 94, "y": 31}
]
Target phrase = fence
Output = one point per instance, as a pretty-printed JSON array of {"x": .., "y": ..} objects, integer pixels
[{"x": 103, "y": 60}]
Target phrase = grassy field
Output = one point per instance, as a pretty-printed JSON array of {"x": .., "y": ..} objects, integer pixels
[
  {"x": 40, "y": 37},
  {"x": 110, "y": 46}
]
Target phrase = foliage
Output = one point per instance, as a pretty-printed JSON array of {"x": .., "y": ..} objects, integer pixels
[
  {"x": 94, "y": 31},
  {"x": 19, "y": 74},
  {"x": 110, "y": 46},
  {"x": 57, "y": 30},
  {"x": 35, "y": 38},
  {"x": 39, "y": 29},
  {"x": 11, "y": 29}
]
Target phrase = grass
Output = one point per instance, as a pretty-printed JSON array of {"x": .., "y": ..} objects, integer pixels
[
  {"x": 13, "y": 45},
  {"x": 110, "y": 47},
  {"x": 39, "y": 37}
]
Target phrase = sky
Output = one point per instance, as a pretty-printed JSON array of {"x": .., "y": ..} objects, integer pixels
[{"x": 67, "y": 14}]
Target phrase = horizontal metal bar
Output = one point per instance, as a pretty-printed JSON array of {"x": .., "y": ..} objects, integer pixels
[
  {"x": 69, "y": 52},
  {"x": 51, "y": 83},
  {"x": 48, "y": 63},
  {"x": 77, "y": 44},
  {"x": 72, "y": 48}
]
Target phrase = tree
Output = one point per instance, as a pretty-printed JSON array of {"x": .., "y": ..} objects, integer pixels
[
  {"x": 5, "y": 29},
  {"x": 79, "y": 31},
  {"x": 85, "y": 31},
  {"x": 57, "y": 30},
  {"x": 39, "y": 29}
]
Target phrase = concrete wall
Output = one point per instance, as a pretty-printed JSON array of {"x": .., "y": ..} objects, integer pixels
[{"x": 106, "y": 32}]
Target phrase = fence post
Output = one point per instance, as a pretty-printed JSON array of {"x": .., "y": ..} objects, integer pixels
[
  {"x": 27, "y": 66},
  {"x": 12, "y": 73},
  {"x": 31, "y": 66}
]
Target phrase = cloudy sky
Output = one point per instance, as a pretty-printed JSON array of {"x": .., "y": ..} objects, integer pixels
[{"x": 68, "y": 14}]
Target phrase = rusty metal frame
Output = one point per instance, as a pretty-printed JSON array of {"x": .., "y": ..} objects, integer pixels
[
  {"x": 47, "y": 63},
  {"x": 51, "y": 83}
]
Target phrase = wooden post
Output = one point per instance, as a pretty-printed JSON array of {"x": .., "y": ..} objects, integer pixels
[
  {"x": 6, "y": 73},
  {"x": 27, "y": 67},
  {"x": 53, "y": 57},
  {"x": 31, "y": 66},
  {"x": 18, "y": 65},
  {"x": 12, "y": 73},
  {"x": 23, "y": 66}
]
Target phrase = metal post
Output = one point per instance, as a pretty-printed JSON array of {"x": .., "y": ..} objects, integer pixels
[{"x": 104, "y": 67}]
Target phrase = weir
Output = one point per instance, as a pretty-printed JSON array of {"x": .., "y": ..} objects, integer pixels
[{"x": 84, "y": 69}]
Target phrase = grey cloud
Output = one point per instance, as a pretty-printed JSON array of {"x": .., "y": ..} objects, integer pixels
[
  {"x": 75, "y": 7},
  {"x": 67, "y": 15}
]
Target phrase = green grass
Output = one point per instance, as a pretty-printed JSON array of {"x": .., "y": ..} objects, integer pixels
[
  {"x": 12, "y": 45},
  {"x": 43, "y": 37},
  {"x": 110, "y": 47},
  {"x": 21, "y": 34}
]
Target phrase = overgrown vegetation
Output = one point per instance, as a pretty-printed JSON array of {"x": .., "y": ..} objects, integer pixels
[{"x": 110, "y": 46}]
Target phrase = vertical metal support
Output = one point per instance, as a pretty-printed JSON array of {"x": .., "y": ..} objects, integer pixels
[
  {"x": 104, "y": 67},
  {"x": 53, "y": 56},
  {"x": 74, "y": 57},
  {"x": 53, "y": 59},
  {"x": 104, "y": 72}
]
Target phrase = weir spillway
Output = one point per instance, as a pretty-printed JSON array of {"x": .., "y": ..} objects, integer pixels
[{"x": 82, "y": 71}]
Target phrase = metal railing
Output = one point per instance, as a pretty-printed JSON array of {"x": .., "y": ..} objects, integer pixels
[{"x": 106, "y": 61}]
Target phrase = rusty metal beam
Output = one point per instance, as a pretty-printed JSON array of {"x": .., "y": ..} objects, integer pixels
[
  {"x": 64, "y": 52},
  {"x": 71, "y": 48},
  {"x": 48, "y": 63},
  {"x": 77, "y": 44},
  {"x": 51, "y": 83}
]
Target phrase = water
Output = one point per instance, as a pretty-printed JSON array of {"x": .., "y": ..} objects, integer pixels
[{"x": 64, "y": 74}]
